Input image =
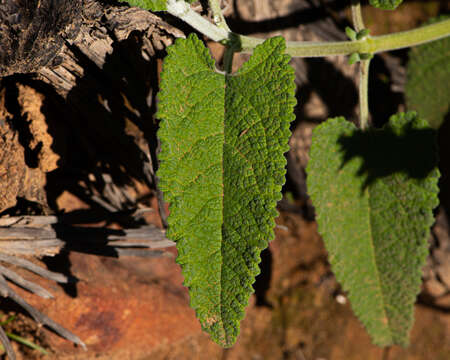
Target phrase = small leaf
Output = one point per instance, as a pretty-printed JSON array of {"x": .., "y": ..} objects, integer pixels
[
  {"x": 222, "y": 168},
  {"x": 386, "y": 4},
  {"x": 362, "y": 34},
  {"x": 354, "y": 58},
  {"x": 374, "y": 192},
  {"x": 427, "y": 88},
  {"x": 350, "y": 33},
  {"x": 365, "y": 56}
]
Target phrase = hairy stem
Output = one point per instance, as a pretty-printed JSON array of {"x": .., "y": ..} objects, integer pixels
[
  {"x": 358, "y": 21},
  {"x": 219, "y": 19},
  {"x": 369, "y": 45},
  {"x": 364, "y": 93},
  {"x": 183, "y": 11}
]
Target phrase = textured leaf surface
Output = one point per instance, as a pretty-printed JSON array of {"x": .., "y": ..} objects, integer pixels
[
  {"x": 374, "y": 192},
  {"x": 386, "y": 4},
  {"x": 222, "y": 168},
  {"x": 428, "y": 87},
  {"x": 153, "y": 5}
]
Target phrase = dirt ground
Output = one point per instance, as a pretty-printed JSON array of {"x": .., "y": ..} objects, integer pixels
[{"x": 84, "y": 161}]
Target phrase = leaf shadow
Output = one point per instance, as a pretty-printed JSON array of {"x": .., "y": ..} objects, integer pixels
[{"x": 384, "y": 152}]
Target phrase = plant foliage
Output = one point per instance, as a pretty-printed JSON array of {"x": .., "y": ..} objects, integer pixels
[
  {"x": 386, "y": 4},
  {"x": 428, "y": 87},
  {"x": 374, "y": 192},
  {"x": 222, "y": 167},
  {"x": 223, "y": 138},
  {"x": 153, "y": 5}
]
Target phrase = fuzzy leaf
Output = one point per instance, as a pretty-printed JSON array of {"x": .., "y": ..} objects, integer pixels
[
  {"x": 428, "y": 87},
  {"x": 153, "y": 5},
  {"x": 374, "y": 192},
  {"x": 222, "y": 168},
  {"x": 386, "y": 4}
]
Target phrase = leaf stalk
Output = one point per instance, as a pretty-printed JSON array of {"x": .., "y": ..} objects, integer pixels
[{"x": 364, "y": 65}]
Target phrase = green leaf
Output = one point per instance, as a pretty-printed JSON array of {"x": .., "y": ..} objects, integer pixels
[
  {"x": 374, "y": 192},
  {"x": 26, "y": 342},
  {"x": 351, "y": 34},
  {"x": 427, "y": 89},
  {"x": 354, "y": 58},
  {"x": 153, "y": 5},
  {"x": 385, "y": 4},
  {"x": 222, "y": 168},
  {"x": 362, "y": 34}
]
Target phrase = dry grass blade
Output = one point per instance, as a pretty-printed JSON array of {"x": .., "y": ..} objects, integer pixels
[
  {"x": 144, "y": 244},
  {"x": 28, "y": 285},
  {"x": 7, "y": 345},
  {"x": 33, "y": 268},
  {"x": 142, "y": 253}
]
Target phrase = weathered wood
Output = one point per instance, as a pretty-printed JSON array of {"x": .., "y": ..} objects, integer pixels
[
  {"x": 28, "y": 265},
  {"x": 38, "y": 248},
  {"x": 68, "y": 44},
  {"x": 28, "y": 285},
  {"x": 103, "y": 25},
  {"x": 48, "y": 241},
  {"x": 28, "y": 220},
  {"x": 70, "y": 48},
  {"x": 32, "y": 32},
  {"x": 103, "y": 28}
]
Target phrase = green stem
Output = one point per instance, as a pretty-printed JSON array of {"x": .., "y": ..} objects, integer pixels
[
  {"x": 358, "y": 21},
  {"x": 228, "y": 59},
  {"x": 410, "y": 38},
  {"x": 369, "y": 45},
  {"x": 364, "y": 94},
  {"x": 219, "y": 19},
  {"x": 183, "y": 11}
]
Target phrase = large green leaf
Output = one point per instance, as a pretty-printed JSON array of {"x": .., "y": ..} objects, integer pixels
[
  {"x": 374, "y": 192},
  {"x": 222, "y": 168},
  {"x": 386, "y": 4},
  {"x": 428, "y": 87}
]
